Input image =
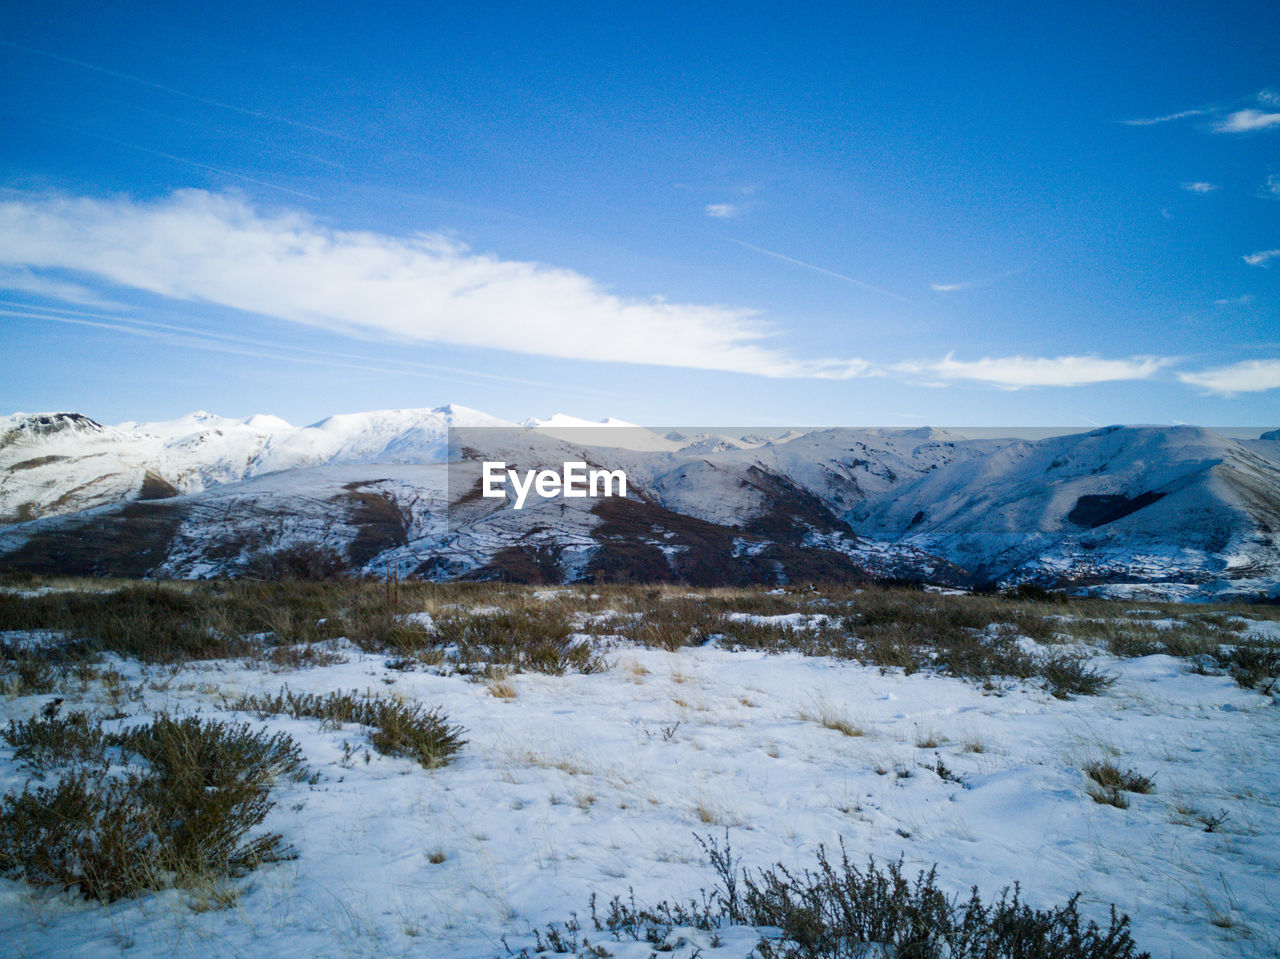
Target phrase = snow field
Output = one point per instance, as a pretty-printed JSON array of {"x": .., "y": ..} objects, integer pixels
[{"x": 599, "y": 784}]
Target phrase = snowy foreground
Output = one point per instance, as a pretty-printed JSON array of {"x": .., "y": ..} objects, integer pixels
[{"x": 600, "y": 783}]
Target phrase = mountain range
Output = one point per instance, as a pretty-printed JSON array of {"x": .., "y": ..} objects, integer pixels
[{"x": 1180, "y": 511}]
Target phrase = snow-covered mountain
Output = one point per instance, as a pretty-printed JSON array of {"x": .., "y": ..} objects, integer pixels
[
  {"x": 1173, "y": 503},
  {"x": 1183, "y": 507},
  {"x": 55, "y": 463}
]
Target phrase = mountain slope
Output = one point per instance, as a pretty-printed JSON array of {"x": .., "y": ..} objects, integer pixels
[{"x": 1147, "y": 503}]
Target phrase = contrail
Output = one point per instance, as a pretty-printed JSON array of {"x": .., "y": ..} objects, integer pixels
[
  {"x": 248, "y": 346},
  {"x": 169, "y": 156},
  {"x": 205, "y": 166},
  {"x": 178, "y": 93},
  {"x": 818, "y": 269}
]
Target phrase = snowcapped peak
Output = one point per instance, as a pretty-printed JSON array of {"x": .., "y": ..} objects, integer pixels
[
  {"x": 198, "y": 421},
  {"x": 557, "y": 420},
  {"x": 266, "y": 423},
  {"x": 457, "y": 415},
  {"x": 606, "y": 432},
  {"x": 927, "y": 433},
  {"x": 39, "y": 425},
  {"x": 441, "y": 417},
  {"x": 714, "y": 443},
  {"x": 787, "y": 437}
]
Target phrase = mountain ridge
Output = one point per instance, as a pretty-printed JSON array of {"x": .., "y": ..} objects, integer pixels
[{"x": 202, "y": 495}]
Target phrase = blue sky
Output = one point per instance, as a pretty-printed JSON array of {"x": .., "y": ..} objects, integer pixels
[{"x": 947, "y": 214}]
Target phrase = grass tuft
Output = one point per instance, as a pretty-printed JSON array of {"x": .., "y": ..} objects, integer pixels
[{"x": 1108, "y": 775}]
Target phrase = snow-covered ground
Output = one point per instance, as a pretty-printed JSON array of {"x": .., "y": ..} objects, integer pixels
[{"x": 600, "y": 783}]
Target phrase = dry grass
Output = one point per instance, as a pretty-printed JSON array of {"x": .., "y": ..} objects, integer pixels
[
  {"x": 484, "y": 629},
  {"x": 1108, "y": 775},
  {"x": 501, "y": 688},
  {"x": 829, "y": 717},
  {"x": 1110, "y": 783},
  {"x": 930, "y": 740}
]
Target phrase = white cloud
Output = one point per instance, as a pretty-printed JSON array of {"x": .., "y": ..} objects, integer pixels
[
  {"x": 1246, "y": 121},
  {"x": 1244, "y": 299},
  {"x": 1199, "y": 187},
  {"x": 723, "y": 211},
  {"x": 1152, "y": 121},
  {"x": 1250, "y": 376},
  {"x": 24, "y": 281},
  {"x": 1271, "y": 189},
  {"x": 1261, "y": 257},
  {"x": 216, "y": 248},
  {"x": 1238, "y": 121},
  {"x": 957, "y": 285},
  {"x": 1019, "y": 372}
]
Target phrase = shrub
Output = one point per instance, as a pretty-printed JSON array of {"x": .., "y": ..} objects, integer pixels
[
  {"x": 1065, "y": 675},
  {"x": 305, "y": 561},
  {"x": 1035, "y": 593},
  {"x": 1254, "y": 666},
  {"x": 41, "y": 743},
  {"x": 186, "y": 816},
  {"x": 842, "y": 911},
  {"x": 89, "y": 831},
  {"x": 158, "y": 623},
  {"x": 31, "y": 671},
  {"x": 397, "y": 728},
  {"x": 537, "y": 640}
]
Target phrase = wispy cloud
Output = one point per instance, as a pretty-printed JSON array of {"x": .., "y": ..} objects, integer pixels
[
  {"x": 1225, "y": 119},
  {"x": 969, "y": 284},
  {"x": 1249, "y": 376},
  {"x": 199, "y": 246},
  {"x": 1199, "y": 187},
  {"x": 1247, "y": 121},
  {"x": 723, "y": 211},
  {"x": 1244, "y": 299},
  {"x": 1169, "y": 118},
  {"x": 1261, "y": 258},
  {"x": 25, "y": 281},
  {"x": 1020, "y": 372},
  {"x": 1271, "y": 189}
]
